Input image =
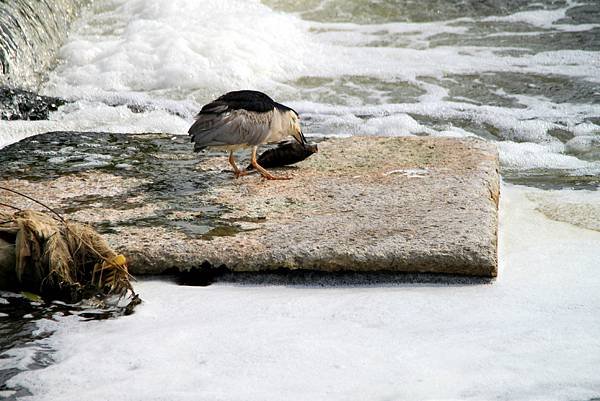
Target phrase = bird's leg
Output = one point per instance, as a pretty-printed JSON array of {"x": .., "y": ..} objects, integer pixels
[
  {"x": 236, "y": 171},
  {"x": 261, "y": 169}
]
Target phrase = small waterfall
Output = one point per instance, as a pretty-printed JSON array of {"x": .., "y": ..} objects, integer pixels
[{"x": 30, "y": 33}]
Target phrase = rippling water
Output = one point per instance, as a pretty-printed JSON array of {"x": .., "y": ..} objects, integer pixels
[
  {"x": 30, "y": 33},
  {"x": 524, "y": 74}
]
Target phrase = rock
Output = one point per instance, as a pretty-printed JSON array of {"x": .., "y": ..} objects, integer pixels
[
  {"x": 403, "y": 204},
  {"x": 17, "y": 104}
]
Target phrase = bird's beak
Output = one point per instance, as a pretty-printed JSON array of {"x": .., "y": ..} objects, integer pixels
[{"x": 302, "y": 139}]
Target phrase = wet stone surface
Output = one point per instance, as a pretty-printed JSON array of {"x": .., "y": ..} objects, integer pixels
[
  {"x": 17, "y": 104},
  {"x": 112, "y": 180},
  {"x": 359, "y": 204}
]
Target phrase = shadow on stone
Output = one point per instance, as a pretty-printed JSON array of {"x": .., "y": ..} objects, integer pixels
[{"x": 205, "y": 276}]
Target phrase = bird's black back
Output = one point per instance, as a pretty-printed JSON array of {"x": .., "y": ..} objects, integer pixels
[{"x": 245, "y": 99}]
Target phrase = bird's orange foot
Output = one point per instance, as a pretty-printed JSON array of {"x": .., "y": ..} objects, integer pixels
[{"x": 240, "y": 173}]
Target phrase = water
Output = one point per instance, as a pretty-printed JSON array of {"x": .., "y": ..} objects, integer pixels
[
  {"x": 524, "y": 74},
  {"x": 520, "y": 72},
  {"x": 531, "y": 335},
  {"x": 30, "y": 34}
]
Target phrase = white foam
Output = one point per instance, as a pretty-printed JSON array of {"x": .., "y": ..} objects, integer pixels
[
  {"x": 416, "y": 35},
  {"x": 393, "y": 125},
  {"x": 538, "y": 18},
  {"x": 542, "y": 18},
  {"x": 524, "y": 156},
  {"x": 531, "y": 124},
  {"x": 531, "y": 335},
  {"x": 96, "y": 116},
  {"x": 14, "y": 131},
  {"x": 398, "y": 124},
  {"x": 409, "y": 64},
  {"x": 580, "y": 208},
  {"x": 20, "y": 358},
  {"x": 180, "y": 46},
  {"x": 576, "y": 28},
  {"x": 583, "y": 144},
  {"x": 586, "y": 129}
]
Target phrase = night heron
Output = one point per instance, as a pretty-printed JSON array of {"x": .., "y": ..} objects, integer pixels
[{"x": 244, "y": 119}]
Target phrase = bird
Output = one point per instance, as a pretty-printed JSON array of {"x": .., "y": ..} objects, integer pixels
[{"x": 245, "y": 119}]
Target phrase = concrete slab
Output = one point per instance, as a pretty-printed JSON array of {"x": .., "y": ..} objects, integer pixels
[{"x": 402, "y": 204}]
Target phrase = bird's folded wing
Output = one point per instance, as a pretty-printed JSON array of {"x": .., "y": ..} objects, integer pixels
[{"x": 232, "y": 127}]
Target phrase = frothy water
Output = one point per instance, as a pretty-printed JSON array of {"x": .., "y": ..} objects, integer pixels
[
  {"x": 523, "y": 74},
  {"x": 531, "y": 335},
  {"x": 30, "y": 34}
]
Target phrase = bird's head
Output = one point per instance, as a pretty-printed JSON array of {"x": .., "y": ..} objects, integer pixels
[{"x": 295, "y": 129}]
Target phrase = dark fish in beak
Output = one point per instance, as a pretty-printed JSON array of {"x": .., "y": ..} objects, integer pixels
[
  {"x": 302, "y": 139},
  {"x": 286, "y": 153}
]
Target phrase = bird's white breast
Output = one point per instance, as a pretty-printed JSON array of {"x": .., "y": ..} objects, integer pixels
[{"x": 278, "y": 127}]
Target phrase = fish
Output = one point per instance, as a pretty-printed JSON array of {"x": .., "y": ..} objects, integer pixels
[{"x": 286, "y": 153}]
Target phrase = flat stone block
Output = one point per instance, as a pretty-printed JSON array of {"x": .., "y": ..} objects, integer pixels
[{"x": 402, "y": 204}]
